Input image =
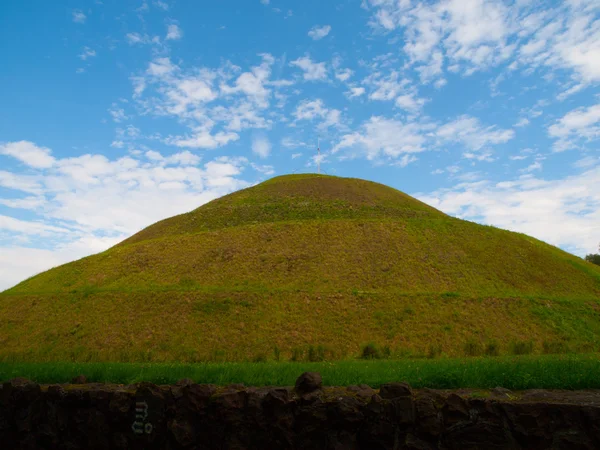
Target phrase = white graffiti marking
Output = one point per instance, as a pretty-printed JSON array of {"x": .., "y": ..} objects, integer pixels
[{"x": 141, "y": 414}]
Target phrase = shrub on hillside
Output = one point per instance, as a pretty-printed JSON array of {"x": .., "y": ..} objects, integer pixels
[
  {"x": 593, "y": 258},
  {"x": 297, "y": 354},
  {"x": 521, "y": 347},
  {"x": 259, "y": 358},
  {"x": 316, "y": 354},
  {"x": 370, "y": 351},
  {"x": 472, "y": 348},
  {"x": 554, "y": 347},
  {"x": 386, "y": 351},
  {"x": 434, "y": 351},
  {"x": 492, "y": 348}
]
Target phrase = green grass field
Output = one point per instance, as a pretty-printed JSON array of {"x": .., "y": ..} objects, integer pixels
[{"x": 516, "y": 372}]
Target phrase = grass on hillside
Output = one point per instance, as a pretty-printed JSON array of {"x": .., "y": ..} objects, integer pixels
[
  {"x": 524, "y": 372},
  {"x": 321, "y": 255},
  {"x": 300, "y": 262},
  {"x": 293, "y": 197},
  {"x": 197, "y": 326},
  {"x": 317, "y": 232}
]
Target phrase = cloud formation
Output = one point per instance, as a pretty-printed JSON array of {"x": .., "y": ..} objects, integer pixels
[
  {"x": 99, "y": 201},
  {"x": 319, "y": 32},
  {"x": 313, "y": 71},
  {"x": 525, "y": 204}
]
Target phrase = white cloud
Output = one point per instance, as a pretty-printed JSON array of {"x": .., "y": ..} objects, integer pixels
[
  {"x": 162, "y": 5},
  {"x": 161, "y": 68},
  {"x": 440, "y": 83},
  {"x": 265, "y": 2},
  {"x": 409, "y": 102},
  {"x": 137, "y": 38},
  {"x": 79, "y": 16},
  {"x": 129, "y": 132},
  {"x": 261, "y": 146},
  {"x": 134, "y": 38},
  {"x": 484, "y": 155},
  {"x": 316, "y": 109},
  {"x": 117, "y": 113},
  {"x": 581, "y": 124},
  {"x": 310, "y": 109},
  {"x": 523, "y": 122},
  {"x": 192, "y": 90},
  {"x": 206, "y": 99},
  {"x": 144, "y": 8},
  {"x": 405, "y": 160},
  {"x": 386, "y": 87},
  {"x": 263, "y": 168},
  {"x": 292, "y": 143},
  {"x": 20, "y": 182},
  {"x": 253, "y": 83},
  {"x": 473, "y": 35},
  {"x": 29, "y": 227},
  {"x": 343, "y": 74},
  {"x": 174, "y": 33},
  {"x": 478, "y": 31},
  {"x": 18, "y": 263},
  {"x": 319, "y": 32},
  {"x": 23, "y": 203},
  {"x": 88, "y": 203},
  {"x": 570, "y": 91},
  {"x": 184, "y": 158},
  {"x": 355, "y": 92},
  {"x": 87, "y": 53},
  {"x": 392, "y": 87},
  {"x": 563, "y": 212},
  {"x": 203, "y": 139},
  {"x": 588, "y": 161},
  {"x": 216, "y": 104},
  {"x": 312, "y": 71},
  {"x": 28, "y": 153},
  {"x": 241, "y": 116},
  {"x": 468, "y": 131},
  {"x": 536, "y": 165},
  {"x": 567, "y": 37},
  {"x": 383, "y": 137}
]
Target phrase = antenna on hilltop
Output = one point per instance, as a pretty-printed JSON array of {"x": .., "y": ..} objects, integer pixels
[{"x": 318, "y": 157}]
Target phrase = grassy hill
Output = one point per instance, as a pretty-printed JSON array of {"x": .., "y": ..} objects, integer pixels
[{"x": 301, "y": 262}]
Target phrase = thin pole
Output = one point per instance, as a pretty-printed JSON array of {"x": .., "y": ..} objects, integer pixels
[{"x": 318, "y": 157}]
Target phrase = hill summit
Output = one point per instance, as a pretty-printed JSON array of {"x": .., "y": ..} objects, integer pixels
[{"x": 300, "y": 262}]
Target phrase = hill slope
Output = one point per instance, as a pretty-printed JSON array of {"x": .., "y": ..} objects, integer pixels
[{"x": 304, "y": 260}]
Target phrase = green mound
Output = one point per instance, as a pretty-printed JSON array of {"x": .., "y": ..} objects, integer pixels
[{"x": 304, "y": 262}]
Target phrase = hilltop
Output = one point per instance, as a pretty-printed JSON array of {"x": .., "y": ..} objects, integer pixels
[{"x": 300, "y": 261}]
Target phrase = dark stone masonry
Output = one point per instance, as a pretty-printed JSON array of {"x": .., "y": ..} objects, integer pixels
[{"x": 308, "y": 416}]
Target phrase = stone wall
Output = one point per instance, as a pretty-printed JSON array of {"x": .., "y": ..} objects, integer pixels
[{"x": 307, "y": 416}]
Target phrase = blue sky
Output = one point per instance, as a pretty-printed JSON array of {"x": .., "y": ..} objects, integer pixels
[{"x": 116, "y": 114}]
